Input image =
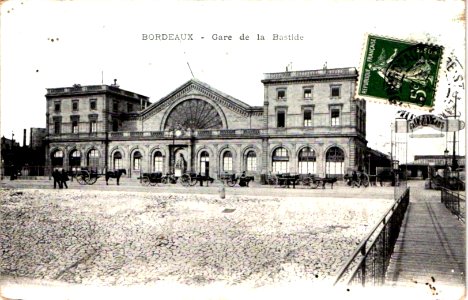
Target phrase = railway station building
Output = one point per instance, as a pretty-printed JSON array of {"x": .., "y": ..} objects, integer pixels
[{"x": 308, "y": 122}]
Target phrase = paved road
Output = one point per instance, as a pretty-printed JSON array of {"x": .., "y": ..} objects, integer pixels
[
  {"x": 430, "y": 251},
  {"x": 133, "y": 185}
]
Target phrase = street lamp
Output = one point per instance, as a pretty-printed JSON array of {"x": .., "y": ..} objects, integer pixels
[
  {"x": 175, "y": 133},
  {"x": 368, "y": 161},
  {"x": 446, "y": 152}
]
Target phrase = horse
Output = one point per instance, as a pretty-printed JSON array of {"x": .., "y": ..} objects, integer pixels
[
  {"x": 115, "y": 174},
  {"x": 328, "y": 180}
]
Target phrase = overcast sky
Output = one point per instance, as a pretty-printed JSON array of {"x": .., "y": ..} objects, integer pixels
[{"x": 48, "y": 44}]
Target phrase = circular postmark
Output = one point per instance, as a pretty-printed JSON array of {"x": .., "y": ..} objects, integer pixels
[{"x": 411, "y": 77}]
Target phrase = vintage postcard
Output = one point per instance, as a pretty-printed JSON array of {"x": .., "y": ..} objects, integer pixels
[{"x": 232, "y": 150}]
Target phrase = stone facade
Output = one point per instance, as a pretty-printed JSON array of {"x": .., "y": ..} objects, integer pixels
[{"x": 309, "y": 123}]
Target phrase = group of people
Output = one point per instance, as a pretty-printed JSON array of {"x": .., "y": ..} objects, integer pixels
[
  {"x": 60, "y": 179},
  {"x": 355, "y": 179}
]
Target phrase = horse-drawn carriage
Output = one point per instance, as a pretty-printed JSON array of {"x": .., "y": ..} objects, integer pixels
[
  {"x": 86, "y": 176},
  {"x": 186, "y": 179},
  {"x": 309, "y": 180},
  {"x": 314, "y": 181},
  {"x": 362, "y": 179},
  {"x": 231, "y": 179}
]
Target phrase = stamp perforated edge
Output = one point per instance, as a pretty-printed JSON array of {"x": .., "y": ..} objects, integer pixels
[{"x": 387, "y": 102}]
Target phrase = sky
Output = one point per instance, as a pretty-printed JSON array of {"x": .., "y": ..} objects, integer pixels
[{"x": 50, "y": 44}]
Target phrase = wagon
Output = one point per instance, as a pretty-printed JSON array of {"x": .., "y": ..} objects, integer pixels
[
  {"x": 85, "y": 176},
  {"x": 151, "y": 178},
  {"x": 232, "y": 179}
]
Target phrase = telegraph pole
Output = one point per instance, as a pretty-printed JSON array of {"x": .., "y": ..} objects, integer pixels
[{"x": 454, "y": 157}]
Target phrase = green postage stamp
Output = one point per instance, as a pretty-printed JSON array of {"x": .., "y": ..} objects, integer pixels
[{"x": 400, "y": 72}]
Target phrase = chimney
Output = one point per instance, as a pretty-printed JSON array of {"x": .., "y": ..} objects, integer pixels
[{"x": 24, "y": 137}]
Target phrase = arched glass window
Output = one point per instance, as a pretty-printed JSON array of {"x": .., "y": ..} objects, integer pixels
[
  {"x": 251, "y": 161},
  {"x": 227, "y": 161},
  {"x": 158, "y": 162},
  {"x": 334, "y": 165},
  {"x": 137, "y": 160},
  {"x": 280, "y": 161},
  {"x": 204, "y": 163},
  {"x": 307, "y": 161},
  {"x": 117, "y": 161},
  {"x": 75, "y": 160},
  {"x": 57, "y": 158},
  {"x": 93, "y": 159}
]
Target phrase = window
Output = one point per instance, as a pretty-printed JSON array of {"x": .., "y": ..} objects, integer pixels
[
  {"x": 74, "y": 126},
  {"x": 115, "y": 106},
  {"x": 158, "y": 162},
  {"x": 204, "y": 163},
  {"x": 92, "y": 126},
  {"x": 137, "y": 161},
  {"x": 335, "y": 117},
  {"x": 280, "y": 161},
  {"x": 117, "y": 161},
  {"x": 307, "y": 161},
  {"x": 75, "y": 160},
  {"x": 307, "y": 117},
  {"x": 129, "y": 107},
  {"x": 93, "y": 159},
  {"x": 227, "y": 161},
  {"x": 57, "y": 106},
  {"x": 57, "y": 127},
  {"x": 74, "y": 105},
  {"x": 307, "y": 93},
  {"x": 115, "y": 125},
  {"x": 251, "y": 163},
  {"x": 334, "y": 165},
  {"x": 335, "y": 90},
  {"x": 92, "y": 104},
  {"x": 280, "y": 119},
  {"x": 281, "y": 94},
  {"x": 57, "y": 158}
]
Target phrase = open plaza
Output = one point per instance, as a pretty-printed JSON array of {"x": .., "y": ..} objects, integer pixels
[{"x": 131, "y": 234}]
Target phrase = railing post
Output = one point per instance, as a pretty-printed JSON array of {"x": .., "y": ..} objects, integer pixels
[
  {"x": 363, "y": 266},
  {"x": 384, "y": 248}
]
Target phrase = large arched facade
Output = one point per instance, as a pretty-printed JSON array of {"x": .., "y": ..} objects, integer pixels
[{"x": 292, "y": 132}]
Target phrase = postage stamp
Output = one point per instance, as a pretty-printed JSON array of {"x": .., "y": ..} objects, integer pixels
[{"x": 400, "y": 72}]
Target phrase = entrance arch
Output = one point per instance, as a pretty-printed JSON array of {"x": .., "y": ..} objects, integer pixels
[{"x": 194, "y": 114}]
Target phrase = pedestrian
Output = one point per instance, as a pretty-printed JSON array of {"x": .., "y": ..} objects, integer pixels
[
  {"x": 57, "y": 181},
  {"x": 64, "y": 178},
  {"x": 354, "y": 180}
]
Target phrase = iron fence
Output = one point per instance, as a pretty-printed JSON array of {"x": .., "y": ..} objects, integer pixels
[
  {"x": 368, "y": 264},
  {"x": 455, "y": 202}
]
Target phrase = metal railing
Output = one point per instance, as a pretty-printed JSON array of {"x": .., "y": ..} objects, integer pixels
[
  {"x": 454, "y": 201},
  {"x": 368, "y": 265}
]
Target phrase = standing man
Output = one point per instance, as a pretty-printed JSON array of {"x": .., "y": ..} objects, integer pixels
[
  {"x": 57, "y": 181},
  {"x": 64, "y": 178}
]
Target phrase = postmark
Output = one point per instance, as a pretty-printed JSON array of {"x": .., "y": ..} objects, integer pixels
[{"x": 399, "y": 72}]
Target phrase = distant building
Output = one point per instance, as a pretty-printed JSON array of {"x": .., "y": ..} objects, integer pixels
[
  {"x": 37, "y": 138},
  {"x": 419, "y": 168},
  {"x": 308, "y": 122}
]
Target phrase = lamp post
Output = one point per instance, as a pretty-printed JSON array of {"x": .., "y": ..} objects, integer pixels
[
  {"x": 175, "y": 132},
  {"x": 368, "y": 163},
  {"x": 446, "y": 152}
]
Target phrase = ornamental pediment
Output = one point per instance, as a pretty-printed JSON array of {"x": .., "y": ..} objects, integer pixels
[{"x": 199, "y": 90}]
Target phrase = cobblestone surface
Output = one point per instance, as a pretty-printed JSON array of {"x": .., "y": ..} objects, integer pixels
[{"x": 122, "y": 238}]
